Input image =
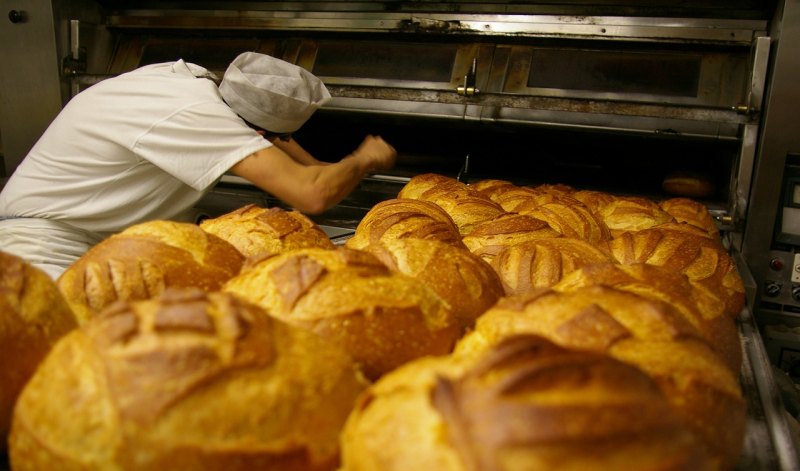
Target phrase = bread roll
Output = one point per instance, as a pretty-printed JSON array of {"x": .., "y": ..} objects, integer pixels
[
  {"x": 185, "y": 381},
  {"x": 489, "y": 185},
  {"x": 570, "y": 220},
  {"x": 405, "y": 218},
  {"x": 467, "y": 285},
  {"x": 683, "y": 249},
  {"x": 382, "y": 319},
  {"x": 487, "y": 239},
  {"x": 33, "y": 316},
  {"x": 527, "y": 266},
  {"x": 594, "y": 200},
  {"x": 257, "y": 231},
  {"x": 644, "y": 333},
  {"x": 142, "y": 261},
  {"x": 524, "y": 404},
  {"x": 691, "y": 212},
  {"x": 703, "y": 311}
]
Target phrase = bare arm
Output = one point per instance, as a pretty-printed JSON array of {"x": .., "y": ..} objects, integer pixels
[
  {"x": 314, "y": 188},
  {"x": 294, "y": 150}
]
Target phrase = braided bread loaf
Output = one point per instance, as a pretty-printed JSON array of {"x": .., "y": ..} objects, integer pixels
[{"x": 185, "y": 381}]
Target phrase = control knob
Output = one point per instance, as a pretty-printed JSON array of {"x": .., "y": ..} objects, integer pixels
[
  {"x": 772, "y": 289},
  {"x": 796, "y": 292},
  {"x": 16, "y": 16}
]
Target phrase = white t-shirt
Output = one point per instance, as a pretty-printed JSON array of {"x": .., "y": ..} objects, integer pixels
[{"x": 145, "y": 145}]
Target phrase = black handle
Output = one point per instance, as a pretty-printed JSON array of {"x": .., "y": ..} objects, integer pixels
[{"x": 17, "y": 16}]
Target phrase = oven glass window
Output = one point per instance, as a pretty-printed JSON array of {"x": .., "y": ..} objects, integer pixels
[
  {"x": 615, "y": 71},
  {"x": 384, "y": 60}
]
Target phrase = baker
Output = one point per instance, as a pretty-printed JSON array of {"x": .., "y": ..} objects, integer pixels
[{"x": 150, "y": 143}]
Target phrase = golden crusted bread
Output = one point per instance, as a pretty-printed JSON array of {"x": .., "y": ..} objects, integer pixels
[
  {"x": 401, "y": 218},
  {"x": 570, "y": 220},
  {"x": 487, "y": 239},
  {"x": 685, "y": 249},
  {"x": 142, "y": 261},
  {"x": 185, "y": 381},
  {"x": 527, "y": 266},
  {"x": 466, "y": 284},
  {"x": 642, "y": 332},
  {"x": 33, "y": 316},
  {"x": 488, "y": 186},
  {"x": 702, "y": 310},
  {"x": 688, "y": 184},
  {"x": 522, "y": 405},
  {"x": 593, "y": 199},
  {"x": 465, "y": 205},
  {"x": 381, "y": 318},
  {"x": 691, "y": 212},
  {"x": 632, "y": 214},
  {"x": 257, "y": 231}
]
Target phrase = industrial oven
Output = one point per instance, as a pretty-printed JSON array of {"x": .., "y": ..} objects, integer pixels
[{"x": 614, "y": 96}]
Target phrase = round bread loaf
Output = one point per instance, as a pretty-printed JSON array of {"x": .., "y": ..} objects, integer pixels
[
  {"x": 467, "y": 285},
  {"x": 405, "y": 218},
  {"x": 257, "y": 231},
  {"x": 702, "y": 310},
  {"x": 419, "y": 184},
  {"x": 642, "y": 332},
  {"x": 570, "y": 220},
  {"x": 685, "y": 249},
  {"x": 348, "y": 297},
  {"x": 524, "y": 404},
  {"x": 509, "y": 196},
  {"x": 593, "y": 199},
  {"x": 33, "y": 316},
  {"x": 186, "y": 381},
  {"x": 527, "y": 266},
  {"x": 145, "y": 259},
  {"x": 487, "y": 239},
  {"x": 691, "y": 212},
  {"x": 632, "y": 214},
  {"x": 488, "y": 186}
]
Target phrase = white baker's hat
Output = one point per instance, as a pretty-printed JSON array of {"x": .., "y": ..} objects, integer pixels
[{"x": 272, "y": 94}]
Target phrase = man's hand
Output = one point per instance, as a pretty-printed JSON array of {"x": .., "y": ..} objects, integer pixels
[{"x": 376, "y": 154}]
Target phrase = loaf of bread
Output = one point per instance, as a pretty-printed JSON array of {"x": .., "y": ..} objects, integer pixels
[
  {"x": 570, "y": 220},
  {"x": 348, "y": 297},
  {"x": 185, "y": 381},
  {"x": 691, "y": 212},
  {"x": 647, "y": 334},
  {"x": 688, "y": 184},
  {"x": 524, "y": 404},
  {"x": 487, "y": 239},
  {"x": 466, "y": 206},
  {"x": 257, "y": 231},
  {"x": 683, "y": 249},
  {"x": 143, "y": 260},
  {"x": 466, "y": 284},
  {"x": 527, "y": 266},
  {"x": 401, "y": 218},
  {"x": 703, "y": 311},
  {"x": 632, "y": 214},
  {"x": 33, "y": 316}
]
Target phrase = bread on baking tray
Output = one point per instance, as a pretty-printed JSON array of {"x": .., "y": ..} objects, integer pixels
[
  {"x": 487, "y": 239},
  {"x": 185, "y": 381},
  {"x": 145, "y": 259},
  {"x": 570, "y": 220},
  {"x": 527, "y": 266},
  {"x": 33, "y": 316},
  {"x": 467, "y": 285},
  {"x": 401, "y": 218},
  {"x": 348, "y": 297},
  {"x": 257, "y": 231},
  {"x": 524, "y": 404},
  {"x": 691, "y": 212},
  {"x": 645, "y": 333}
]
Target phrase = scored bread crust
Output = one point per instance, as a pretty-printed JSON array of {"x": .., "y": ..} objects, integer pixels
[
  {"x": 142, "y": 261},
  {"x": 188, "y": 381}
]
